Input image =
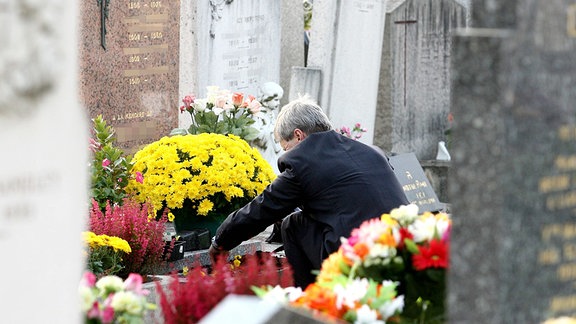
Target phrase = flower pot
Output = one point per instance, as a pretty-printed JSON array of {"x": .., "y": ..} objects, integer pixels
[
  {"x": 177, "y": 252},
  {"x": 183, "y": 222}
]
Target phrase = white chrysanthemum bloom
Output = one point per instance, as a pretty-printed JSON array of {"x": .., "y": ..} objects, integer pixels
[
  {"x": 352, "y": 293},
  {"x": 87, "y": 298},
  {"x": 423, "y": 228},
  {"x": 199, "y": 105},
  {"x": 282, "y": 295},
  {"x": 366, "y": 315},
  {"x": 109, "y": 284},
  {"x": 126, "y": 301},
  {"x": 392, "y": 307},
  {"x": 382, "y": 251},
  {"x": 405, "y": 214}
]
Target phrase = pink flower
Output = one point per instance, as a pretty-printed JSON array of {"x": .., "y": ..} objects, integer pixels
[
  {"x": 94, "y": 312},
  {"x": 88, "y": 279},
  {"x": 134, "y": 283},
  {"x": 253, "y": 105},
  {"x": 105, "y": 163},
  {"x": 188, "y": 100},
  {"x": 237, "y": 99},
  {"x": 139, "y": 177},
  {"x": 107, "y": 313}
]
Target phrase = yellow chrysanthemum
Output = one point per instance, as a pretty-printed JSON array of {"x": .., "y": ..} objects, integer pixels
[
  {"x": 331, "y": 267},
  {"x": 103, "y": 240},
  {"x": 201, "y": 172}
]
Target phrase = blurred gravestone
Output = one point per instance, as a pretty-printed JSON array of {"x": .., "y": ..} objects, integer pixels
[
  {"x": 43, "y": 169},
  {"x": 241, "y": 309},
  {"x": 129, "y": 60},
  {"x": 513, "y": 181},
  {"x": 414, "y": 90}
]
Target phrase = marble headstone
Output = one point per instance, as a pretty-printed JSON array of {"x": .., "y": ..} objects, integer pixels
[
  {"x": 346, "y": 44},
  {"x": 129, "y": 67},
  {"x": 238, "y": 44},
  {"x": 513, "y": 180},
  {"x": 44, "y": 165}
]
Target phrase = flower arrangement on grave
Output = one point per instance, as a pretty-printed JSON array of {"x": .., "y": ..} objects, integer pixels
[
  {"x": 137, "y": 224},
  {"x": 110, "y": 168},
  {"x": 189, "y": 300},
  {"x": 403, "y": 252},
  {"x": 199, "y": 178},
  {"x": 221, "y": 112},
  {"x": 355, "y": 133},
  {"x": 112, "y": 300},
  {"x": 105, "y": 253}
]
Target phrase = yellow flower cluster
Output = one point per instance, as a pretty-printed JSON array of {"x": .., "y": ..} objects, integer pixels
[
  {"x": 114, "y": 242},
  {"x": 212, "y": 171}
]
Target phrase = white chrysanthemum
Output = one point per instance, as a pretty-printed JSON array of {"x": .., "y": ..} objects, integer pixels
[
  {"x": 87, "y": 298},
  {"x": 126, "y": 301},
  {"x": 382, "y": 251},
  {"x": 282, "y": 295},
  {"x": 366, "y": 315},
  {"x": 405, "y": 214},
  {"x": 392, "y": 307},
  {"x": 109, "y": 284},
  {"x": 423, "y": 228},
  {"x": 352, "y": 293}
]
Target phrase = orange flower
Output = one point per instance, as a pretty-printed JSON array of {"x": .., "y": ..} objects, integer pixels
[
  {"x": 321, "y": 299},
  {"x": 361, "y": 249}
]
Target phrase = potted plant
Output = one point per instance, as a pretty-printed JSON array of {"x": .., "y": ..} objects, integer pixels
[{"x": 200, "y": 178}]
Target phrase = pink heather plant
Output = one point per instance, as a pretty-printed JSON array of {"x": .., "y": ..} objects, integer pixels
[
  {"x": 184, "y": 302},
  {"x": 132, "y": 223}
]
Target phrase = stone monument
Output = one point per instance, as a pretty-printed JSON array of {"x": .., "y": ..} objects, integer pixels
[
  {"x": 512, "y": 185},
  {"x": 129, "y": 67},
  {"x": 414, "y": 89},
  {"x": 346, "y": 46},
  {"x": 269, "y": 94},
  {"x": 44, "y": 165}
]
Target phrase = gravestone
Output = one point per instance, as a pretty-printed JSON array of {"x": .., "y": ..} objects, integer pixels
[
  {"x": 129, "y": 67},
  {"x": 414, "y": 89},
  {"x": 346, "y": 44},
  {"x": 44, "y": 166},
  {"x": 414, "y": 182},
  {"x": 513, "y": 181},
  {"x": 238, "y": 44}
]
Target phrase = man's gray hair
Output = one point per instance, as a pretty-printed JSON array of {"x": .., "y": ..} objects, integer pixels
[{"x": 304, "y": 114}]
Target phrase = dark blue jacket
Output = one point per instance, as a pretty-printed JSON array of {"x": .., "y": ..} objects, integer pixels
[{"x": 335, "y": 180}]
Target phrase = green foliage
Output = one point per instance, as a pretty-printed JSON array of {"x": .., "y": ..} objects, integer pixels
[{"x": 110, "y": 168}]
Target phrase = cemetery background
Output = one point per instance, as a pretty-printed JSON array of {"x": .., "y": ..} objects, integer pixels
[{"x": 530, "y": 65}]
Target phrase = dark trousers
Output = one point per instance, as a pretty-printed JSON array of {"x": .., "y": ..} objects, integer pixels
[{"x": 304, "y": 246}]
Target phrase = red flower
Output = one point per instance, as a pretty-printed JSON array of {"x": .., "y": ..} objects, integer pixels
[
  {"x": 435, "y": 255},
  {"x": 404, "y": 234}
]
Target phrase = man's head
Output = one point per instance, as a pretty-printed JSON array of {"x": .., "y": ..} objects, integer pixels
[{"x": 298, "y": 119}]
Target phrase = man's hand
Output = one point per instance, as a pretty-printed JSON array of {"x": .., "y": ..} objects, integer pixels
[{"x": 216, "y": 253}]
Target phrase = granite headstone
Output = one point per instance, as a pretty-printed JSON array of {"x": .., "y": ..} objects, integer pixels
[
  {"x": 44, "y": 164},
  {"x": 129, "y": 67},
  {"x": 513, "y": 181},
  {"x": 414, "y": 182},
  {"x": 414, "y": 89}
]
